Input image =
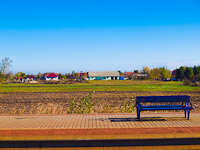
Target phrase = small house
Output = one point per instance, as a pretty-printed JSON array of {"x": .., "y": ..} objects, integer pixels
[
  {"x": 103, "y": 75},
  {"x": 31, "y": 78},
  {"x": 49, "y": 76}
]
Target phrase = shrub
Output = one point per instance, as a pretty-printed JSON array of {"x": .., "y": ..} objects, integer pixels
[
  {"x": 198, "y": 77},
  {"x": 83, "y": 106},
  {"x": 187, "y": 82},
  {"x": 128, "y": 107}
]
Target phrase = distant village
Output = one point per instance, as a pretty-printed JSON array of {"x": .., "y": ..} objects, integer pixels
[
  {"x": 184, "y": 73},
  {"x": 93, "y": 75}
]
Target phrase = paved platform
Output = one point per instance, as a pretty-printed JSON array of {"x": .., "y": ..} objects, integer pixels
[{"x": 99, "y": 126}]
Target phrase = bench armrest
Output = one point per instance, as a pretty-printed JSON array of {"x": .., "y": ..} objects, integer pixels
[
  {"x": 138, "y": 106},
  {"x": 190, "y": 105}
]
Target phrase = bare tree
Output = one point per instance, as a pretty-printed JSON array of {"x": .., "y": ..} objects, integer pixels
[{"x": 5, "y": 64}]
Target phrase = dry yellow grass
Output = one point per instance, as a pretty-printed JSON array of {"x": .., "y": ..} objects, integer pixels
[{"x": 58, "y": 103}]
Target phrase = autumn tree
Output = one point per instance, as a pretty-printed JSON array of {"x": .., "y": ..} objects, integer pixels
[
  {"x": 85, "y": 75},
  {"x": 23, "y": 75},
  {"x": 64, "y": 77},
  {"x": 19, "y": 74},
  {"x": 155, "y": 73},
  {"x": 76, "y": 75},
  {"x": 146, "y": 70},
  {"x": 136, "y": 71},
  {"x": 39, "y": 75},
  {"x": 165, "y": 73},
  {"x": 168, "y": 73}
]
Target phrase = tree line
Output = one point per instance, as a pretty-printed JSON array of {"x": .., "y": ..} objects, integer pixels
[
  {"x": 182, "y": 73},
  {"x": 188, "y": 73},
  {"x": 155, "y": 73}
]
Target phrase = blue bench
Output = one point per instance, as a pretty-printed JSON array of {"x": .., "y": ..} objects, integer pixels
[{"x": 148, "y": 103}]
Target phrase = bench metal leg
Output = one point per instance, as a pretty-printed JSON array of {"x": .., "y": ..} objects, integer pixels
[
  {"x": 188, "y": 114},
  {"x": 138, "y": 114},
  {"x": 186, "y": 110},
  {"x": 185, "y": 113}
]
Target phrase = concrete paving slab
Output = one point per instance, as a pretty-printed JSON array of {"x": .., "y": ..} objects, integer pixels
[{"x": 99, "y": 126}]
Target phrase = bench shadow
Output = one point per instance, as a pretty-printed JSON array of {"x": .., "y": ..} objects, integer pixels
[
  {"x": 135, "y": 119},
  {"x": 19, "y": 118}
]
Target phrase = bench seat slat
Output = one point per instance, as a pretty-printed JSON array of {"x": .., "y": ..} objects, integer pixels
[
  {"x": 167, "y": 108},
  {"x": 146, "y": 99},
  {"x": 154, "y": 106}
]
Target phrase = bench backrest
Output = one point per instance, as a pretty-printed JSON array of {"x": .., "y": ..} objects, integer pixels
[{"x": 155, "y": 99}]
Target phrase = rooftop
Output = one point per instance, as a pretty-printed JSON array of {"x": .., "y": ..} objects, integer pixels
[{"x": 103, "y": 73}]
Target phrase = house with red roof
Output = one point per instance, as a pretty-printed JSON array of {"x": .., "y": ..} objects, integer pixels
[
  {"x": 127, "y": 74},
  {"x": 30, "y": 78},
  {"x": 49, "y": 76}
]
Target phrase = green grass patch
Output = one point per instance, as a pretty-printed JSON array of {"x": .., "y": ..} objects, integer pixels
[{"x": 127, "y": 85}]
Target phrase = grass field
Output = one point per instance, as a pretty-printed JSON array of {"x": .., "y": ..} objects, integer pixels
[
  {"x": 112, "y": 95},
  {"x": 128, "y": 85}
]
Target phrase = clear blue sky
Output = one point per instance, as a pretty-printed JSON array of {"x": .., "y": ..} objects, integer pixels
[{"x": 99, "y": 35}]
